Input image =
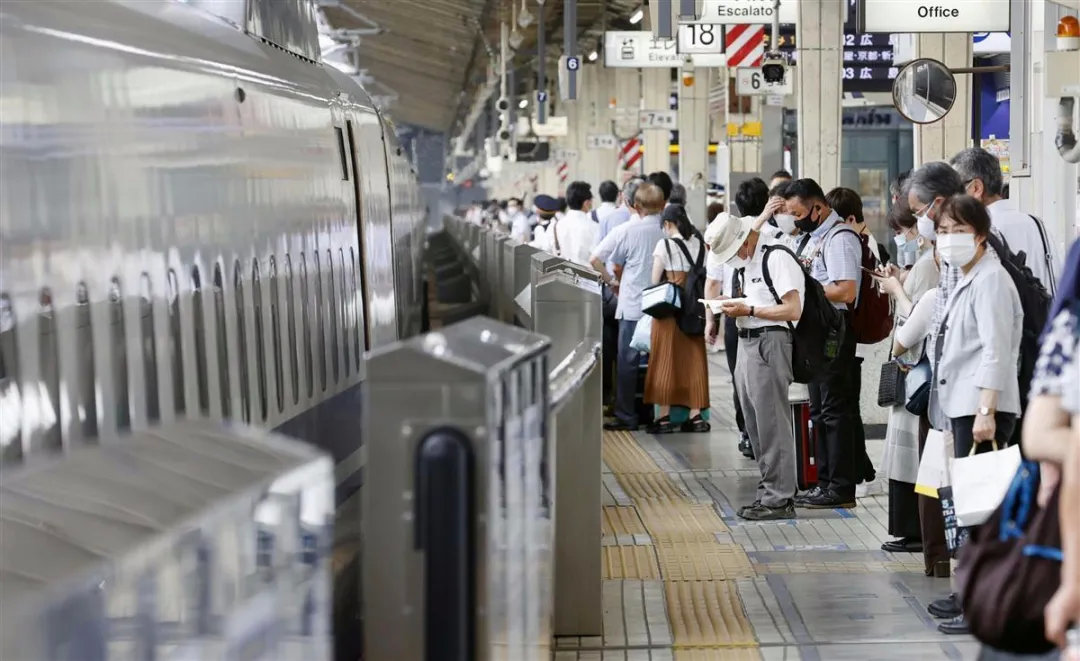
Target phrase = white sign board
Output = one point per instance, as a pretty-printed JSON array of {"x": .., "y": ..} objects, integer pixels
[
  {"x": 638, "y": 48},
  {"x": 937, "y": 16},
  {"x": 667, "y": 120},
  {"x": 601, "y": 141},
  {"x": 556, "y": 126},
  {"x": 750, "y": 82},
  {"x": 704, "y": 38},
  {"x": 729, "y": 12},
  {"x": 567, "y": 155}
]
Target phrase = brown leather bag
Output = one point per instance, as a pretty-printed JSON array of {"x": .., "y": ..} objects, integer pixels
[{"x": 1011, "y": 568}]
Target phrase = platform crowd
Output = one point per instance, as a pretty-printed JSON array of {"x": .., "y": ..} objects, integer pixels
[{"x": 982, "y": 382}]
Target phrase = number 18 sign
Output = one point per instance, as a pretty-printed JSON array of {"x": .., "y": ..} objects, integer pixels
[{"x": 705, "y": 38}]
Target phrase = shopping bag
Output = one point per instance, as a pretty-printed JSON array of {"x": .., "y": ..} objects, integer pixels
[
  {"x": 934, "y": 465},
  {"x": 641, "y": 340},
  {"x": 979, "y": 482}
]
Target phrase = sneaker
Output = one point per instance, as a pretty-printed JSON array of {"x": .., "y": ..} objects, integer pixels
[
  {"x": 944, "y": 609},
  {"x": 864, "y": 489},
  {"x": 807, "y": 495},
  {"x": 761, "y": 512},
  {"x": 745, "y": 448},
  {"x": 828, "y": 499},
  {"x": 756, "y": 503},
  {"x": 957, "y": 626},
  {"x": 619, "y": 425}
]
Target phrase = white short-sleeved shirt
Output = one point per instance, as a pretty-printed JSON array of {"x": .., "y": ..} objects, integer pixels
[
  {"x": 577, "y": 236},
  {"x": 786, "y": 273},
  {"x": 1024, "y": 235},
  {"x": 676, "y": 261}
]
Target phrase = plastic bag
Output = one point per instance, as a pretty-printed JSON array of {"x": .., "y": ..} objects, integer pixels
[{"x": 642, "y": 338}]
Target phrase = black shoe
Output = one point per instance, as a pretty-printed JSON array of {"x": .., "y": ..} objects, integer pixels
[
  {"x": 756, "y": 503},
  {"x": 807, "y": 495},
  {"x": 903, "y": 545},
  {"x": 957, "y": 626},
  {"x": 619, "y": 425},
  {"x": 745, "y": 448},
  {"x": 945, "y": 609},
  {"x": 661, "y": 426},
  {"x": 762, "y": 512},
  {"x": 695, "y": 425},
  {"x": 827, "y": 500}
]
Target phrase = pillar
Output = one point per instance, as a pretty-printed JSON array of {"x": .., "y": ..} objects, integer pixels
[
  {"x": 819, "y": 35},
  {"x": 941, "y": 140},
  {"x": 655, "y": 94},
  {"x": 601, "y": 89},
  {"x": 693, "y": 88},
  {"x": 625, "y": 114}
]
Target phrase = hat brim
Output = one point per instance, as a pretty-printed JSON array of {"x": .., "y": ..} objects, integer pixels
[{"x": 728, "y": 249}]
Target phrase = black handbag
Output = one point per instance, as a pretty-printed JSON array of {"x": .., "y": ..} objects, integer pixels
[
  {"x": 890, "y": 390},
  {"x": 917, "y": 384}
]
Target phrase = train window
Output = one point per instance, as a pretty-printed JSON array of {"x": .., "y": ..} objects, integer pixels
[
  {"x": 149, "y": 351},
  {"x": 290, "y": 301},
  {"x": 10, "y": 402},
  {"x": 119, "y": 344},
  {"x": 241, "y": 342},
  {"x": 305, "y": 315},
  {"x": 341, "y": 153},
  {"x": 176, "y": 354},
  {"x": 356, "y": 298},
  {"x": 344, "y": 310},
  {"x": 332, "y": 305},
  {"x": 47, "y": 435},
  {"x": 202, "y": 365},
  {"x": 275, "y": 337},
  {"x": 320, "y": 337},
  {"x": 222, "y": 342},
  {"x": 260, "y": 345},
  {"x": 86, "y": 410}
]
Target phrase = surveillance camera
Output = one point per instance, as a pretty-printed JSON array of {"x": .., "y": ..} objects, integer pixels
[
  {"x": 774, "y": 69},
  {"x": 503, "y": 104}
]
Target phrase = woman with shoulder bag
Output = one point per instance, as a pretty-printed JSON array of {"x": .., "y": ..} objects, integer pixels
[{"x": 678, "y": 373}]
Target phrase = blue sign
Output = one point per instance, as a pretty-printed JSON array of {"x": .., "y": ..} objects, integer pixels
[
  {"x": 541, "y": 96},
  {"x": 573, "y": 63}
]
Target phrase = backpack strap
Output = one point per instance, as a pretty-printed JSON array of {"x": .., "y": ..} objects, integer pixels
[
  {"x": 694, "y": 264},
  {"x": 838, "y": 229},
  {"x": 802, "y": 244},
  {"x": 555, "y": 235},
  {"x": 768, "y": 277},
  {"x": 595, "y": 218},
  {"x": 1046, "y": 255}
]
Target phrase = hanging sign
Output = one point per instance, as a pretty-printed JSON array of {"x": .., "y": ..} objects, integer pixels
[
  {"x": 701, "y": 38},
  {"x": 750, "y": 82},
  {"x": 658, "y": 119},
  {"x": 727, "y": 12},
  {"x": 601, "y": 141},
  {"x": 638, "y": 48},
  {"x": 935, "y": 16}
]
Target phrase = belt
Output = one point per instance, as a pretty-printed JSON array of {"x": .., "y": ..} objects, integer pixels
[{"x": 751, "y": 333}]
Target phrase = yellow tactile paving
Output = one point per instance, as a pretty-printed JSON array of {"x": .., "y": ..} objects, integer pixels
[
  {"x": 623, "y": 455},
  {"x": 629, "y": 562},
  {"x": 836, "y": 567},
  {"x": 707, "y": 614},
  {"x": 702, "y": 561},
  {"x": 718, "y": 654},
  {"x": 650, "y": 487},
  {"x": 679, "y": 521},
  {"x": 619, "y": 521}
]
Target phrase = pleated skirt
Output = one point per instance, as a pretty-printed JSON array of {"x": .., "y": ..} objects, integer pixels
[{"x": 678, "y": 373}]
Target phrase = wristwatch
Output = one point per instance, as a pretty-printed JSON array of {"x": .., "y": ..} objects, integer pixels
[
  {"x": 751, "y": 310},
  {"x": 985, "y": 411}
]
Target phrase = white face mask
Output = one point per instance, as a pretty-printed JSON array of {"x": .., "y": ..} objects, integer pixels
[
  {"x": 785, "y": 221},
  {"x": 512, "y": 210},
  {"x": 737, "y": 262},
  {"x": 900, "y": 240},
  {"x": 925, "y": 223},
  {"x": 956, "y": 249}
]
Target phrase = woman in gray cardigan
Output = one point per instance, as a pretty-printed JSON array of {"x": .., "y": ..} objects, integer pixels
[{"x": 979, "y": 345}]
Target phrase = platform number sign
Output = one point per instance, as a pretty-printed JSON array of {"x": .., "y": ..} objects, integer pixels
[
  {"x": 750, "y": 82},
  {"x": 541, "y": 96},
  {"x": 573, "y": 63},
  {"x": 700, "y": 38}
]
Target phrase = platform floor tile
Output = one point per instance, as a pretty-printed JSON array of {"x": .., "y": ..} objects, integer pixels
[
  {"x": 629, "y": 562},
  {"x": 624, "y": 456},
  {"x": 707, "y": 614},
  {"x": 623, "y": 525},
  {"x": 650, "y": 487},
  {"x": 702, "y": 561},
  {"x": 681, "y": 522}
]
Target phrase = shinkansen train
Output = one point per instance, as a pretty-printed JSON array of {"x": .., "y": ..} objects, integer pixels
[{"x": 197, "y": 218}]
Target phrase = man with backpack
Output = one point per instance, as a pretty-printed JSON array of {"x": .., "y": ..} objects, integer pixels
[
  {"x": 835, "y": 255},
  {"x": 773, "y": 286}
]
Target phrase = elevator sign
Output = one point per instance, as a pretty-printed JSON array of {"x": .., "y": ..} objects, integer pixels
[
  {"x": 727, "y": 12},
  {"x": 935, "y": 16}
]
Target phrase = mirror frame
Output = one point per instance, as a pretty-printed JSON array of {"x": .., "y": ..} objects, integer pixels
[{"x": 896, "y": 84}]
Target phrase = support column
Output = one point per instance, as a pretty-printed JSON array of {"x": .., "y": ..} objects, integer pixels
[
  {"x": 598, "y": 96},
  {"x": 627, "y": 104},
  {"x": 694, "y": 139},
  {"x": 655, "y": 92},
  {"x": 941, "y": 140},
  {"x": 819, "y": 35}
]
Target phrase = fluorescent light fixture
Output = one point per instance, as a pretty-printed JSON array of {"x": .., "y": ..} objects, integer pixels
[
  {"x": 524, "y": 103},
  {"x": 593, "y": 55},
  {"x": 636, "y": 17}
]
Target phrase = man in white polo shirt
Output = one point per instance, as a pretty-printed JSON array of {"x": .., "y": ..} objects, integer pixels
[{"x": 773, "y": 288}]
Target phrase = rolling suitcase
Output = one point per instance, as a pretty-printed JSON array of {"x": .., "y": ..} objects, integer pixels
[{"x": 802, "y": 427}]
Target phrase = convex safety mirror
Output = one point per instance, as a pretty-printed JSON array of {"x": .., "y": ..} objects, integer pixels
[{"x": 924, "y": 91}]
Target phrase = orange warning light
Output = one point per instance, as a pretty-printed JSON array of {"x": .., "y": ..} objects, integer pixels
[{"x": 1068, "y": 27}]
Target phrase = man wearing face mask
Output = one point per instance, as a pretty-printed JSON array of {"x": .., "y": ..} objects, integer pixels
[
  {"x": 519, "y": 222},
  {"x": 835, "y": 256}
]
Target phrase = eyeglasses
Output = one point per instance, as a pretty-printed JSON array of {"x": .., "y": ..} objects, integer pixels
[{"x": 926, "y": 208}]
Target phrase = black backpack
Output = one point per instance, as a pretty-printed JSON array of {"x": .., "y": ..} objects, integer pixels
[
  {"x": 1035, "y": 301},
  {"x": 691, "y": 315},
  {"x": 816, "y": 340}
]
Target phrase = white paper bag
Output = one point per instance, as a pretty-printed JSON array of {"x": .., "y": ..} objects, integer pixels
[
  {"x": 934, "y": 465},
  {"x": 979, "y": 483},
  {"x": 641, "y": 340}
]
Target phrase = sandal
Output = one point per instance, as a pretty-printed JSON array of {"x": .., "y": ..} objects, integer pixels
[
  {"x": 661, "y": 426},
  {"x": 695, "y": 425}
]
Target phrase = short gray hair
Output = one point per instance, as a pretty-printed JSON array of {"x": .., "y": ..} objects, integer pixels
[
  {"x": 678, "y": 195},
  {"x": 934, "y": 180},
  {"x": 629, "y": 189},
  {"x": 977, "y": 163}
]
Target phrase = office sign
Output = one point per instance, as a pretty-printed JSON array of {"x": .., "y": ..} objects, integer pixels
[
  {"x": 638, "y": 48},
  {"x": 935, "y": 16},
  {"x": 728, "y": 12},
  {"x": 658, "y": 119},
  {"x": 750, "y": 82}
]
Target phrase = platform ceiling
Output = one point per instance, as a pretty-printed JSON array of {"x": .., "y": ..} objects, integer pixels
[{"x": 432, "y": 56}]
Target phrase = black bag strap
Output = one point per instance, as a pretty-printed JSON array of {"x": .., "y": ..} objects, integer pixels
[
  {"x": 839, "y": 229},
  {"x": 1046, "y": 255},
  {"x": 768, "y": 277},
  {"x": 802, "y": 244},
  {"x": 694, "y": 264},
  {"x": 595, "y": 218}
]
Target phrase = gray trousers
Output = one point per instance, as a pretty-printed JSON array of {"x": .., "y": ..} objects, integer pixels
[{"x": 762, "y": 377}]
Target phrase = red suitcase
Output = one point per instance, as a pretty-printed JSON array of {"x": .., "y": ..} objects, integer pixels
[{"x": 803, "y": 429}]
